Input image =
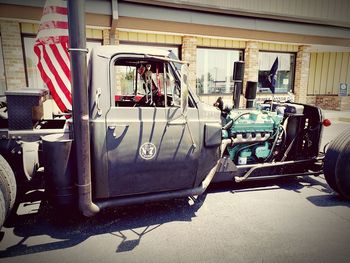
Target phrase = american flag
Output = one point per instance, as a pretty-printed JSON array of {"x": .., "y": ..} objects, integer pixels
[{"x": 51, "y": 47}]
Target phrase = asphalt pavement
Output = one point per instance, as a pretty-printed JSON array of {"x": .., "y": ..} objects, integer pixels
[{"x": 289, "y": 220}]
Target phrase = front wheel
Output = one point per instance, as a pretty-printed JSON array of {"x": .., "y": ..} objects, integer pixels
[{"x": 337, "y": 164}]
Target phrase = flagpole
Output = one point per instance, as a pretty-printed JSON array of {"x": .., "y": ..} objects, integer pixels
[{"x": 77, "y": 50}]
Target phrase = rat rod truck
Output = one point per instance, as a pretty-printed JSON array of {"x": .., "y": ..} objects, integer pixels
[{"x": 141, "y": 134}]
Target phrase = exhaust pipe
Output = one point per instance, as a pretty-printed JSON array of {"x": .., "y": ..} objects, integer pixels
[
  {"x": 238, "y": 74},
  {"x": 250, "y": 93},
  {"x": 77, "y": 41}
]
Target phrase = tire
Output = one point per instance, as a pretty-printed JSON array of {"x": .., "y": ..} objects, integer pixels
[
  {"x": 331, "y": 158},
  {"x": 342, "y": 171},
  {"x": 8, "y": 186},
  {"x": 337, "y": 166},
  {"x": 3, "y": 210}
]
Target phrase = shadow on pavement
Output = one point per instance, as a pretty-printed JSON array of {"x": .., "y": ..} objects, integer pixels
[{"x": 67, "y": 228}]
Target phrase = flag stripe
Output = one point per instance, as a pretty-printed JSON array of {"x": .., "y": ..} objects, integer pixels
[
  {"x": 65, "y": 50},
  {"x": 51, "y": 49},
  {"x": 55, "y": 9},
  {"x": 52, "y": 40},
  {"x": 57, "y": 78},
  {"x": 49, "y": 73},
  {"x": 55, "y": 87},
  {"x": 49, "y": 25},
  {"x": 62, "y": 59},
  {"x": 53, "y": 17},
  {"x": 48, "y": 82},
  {"x": 53, "y": 58},
  {"x": 53, "y": 33}
]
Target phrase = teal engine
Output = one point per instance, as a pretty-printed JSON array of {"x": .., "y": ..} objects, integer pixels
[{"x": 252, "y": 136}]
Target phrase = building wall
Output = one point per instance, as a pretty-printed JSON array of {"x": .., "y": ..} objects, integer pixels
[
  {"x": 13, "y": 55},
  {"x": 325, "y": 11},
  {"x": 327, "y": 71},
  {"x": 317, "y": 74},
  {"x": 187, "y": 45}
]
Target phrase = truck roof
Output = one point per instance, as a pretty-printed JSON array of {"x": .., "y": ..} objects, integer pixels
[{"x": 111, "y": 50}]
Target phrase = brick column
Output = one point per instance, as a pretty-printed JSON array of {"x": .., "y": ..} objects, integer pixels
[
  {"x": 106, "y": 37},
  {"x": 110, "y": 37},
  {"x": 301, "y": 74},
  {"x": 251, "y": 61},
  {"x": 189, "y": 54},
  {"x": 13, "y": 55}
]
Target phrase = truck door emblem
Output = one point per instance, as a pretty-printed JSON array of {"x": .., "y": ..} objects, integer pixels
[{"x": 147, "y": 151}]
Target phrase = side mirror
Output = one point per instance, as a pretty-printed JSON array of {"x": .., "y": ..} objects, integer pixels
[{"x": 184, "y": 89}]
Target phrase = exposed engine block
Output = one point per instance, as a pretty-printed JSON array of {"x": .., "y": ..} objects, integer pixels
[{"x": 252, "y": 133}]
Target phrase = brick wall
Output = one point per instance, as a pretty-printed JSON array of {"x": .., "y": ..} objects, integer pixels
[
  {"x": 189, "y": 54},
  {"x": 106, "y": 37},
  {"x": 311, "y": 100},
  {"x": 110, "y": 37},
  {"x": 301, "y": 74},
  {"x": 329, "y": 102},
  {"x": 251, "y": 59},
  {"x": 13, "y": 55}
]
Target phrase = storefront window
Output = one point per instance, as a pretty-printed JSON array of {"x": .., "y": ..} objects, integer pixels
[
  {"x": 2, "y": 72},
  {"x": 215, "y": 69},
  {"x": 276, "y": 72},
  {"x": 31, "y": 60}
]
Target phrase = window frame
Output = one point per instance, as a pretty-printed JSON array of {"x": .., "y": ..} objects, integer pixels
[
  {"x": 241, "y": 58},
  {"x": 112, "y": 81},
  {"x": 293, "y": 70}
]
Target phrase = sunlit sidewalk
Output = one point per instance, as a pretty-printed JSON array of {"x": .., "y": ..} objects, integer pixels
[{"x": 337, "y": 116}]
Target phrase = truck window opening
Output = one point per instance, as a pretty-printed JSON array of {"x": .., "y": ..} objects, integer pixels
[{"x": 144, "y": 83}]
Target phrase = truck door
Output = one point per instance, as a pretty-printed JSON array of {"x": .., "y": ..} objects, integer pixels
[{"x": 150, "y": 147}]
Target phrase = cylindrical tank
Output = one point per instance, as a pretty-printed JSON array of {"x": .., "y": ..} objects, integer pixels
[{"x": 59, "y": 168}]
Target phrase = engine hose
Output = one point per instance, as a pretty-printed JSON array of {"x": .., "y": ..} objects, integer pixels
[{"x": 230, "y": 123}]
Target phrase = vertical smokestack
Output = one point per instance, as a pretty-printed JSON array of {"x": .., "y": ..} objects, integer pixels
[
  {"x": 77, "y": 41},
  {"x": 250, "y": 93},
  {"x": 238, "y": 74}
]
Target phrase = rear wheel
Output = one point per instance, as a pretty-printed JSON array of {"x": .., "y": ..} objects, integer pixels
[
  {"x": 8, "y": 189},
  {"x": 342, "y": 171},
  {"x": 3, "y": 210},
  {"x": 337, "y": 166}
]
